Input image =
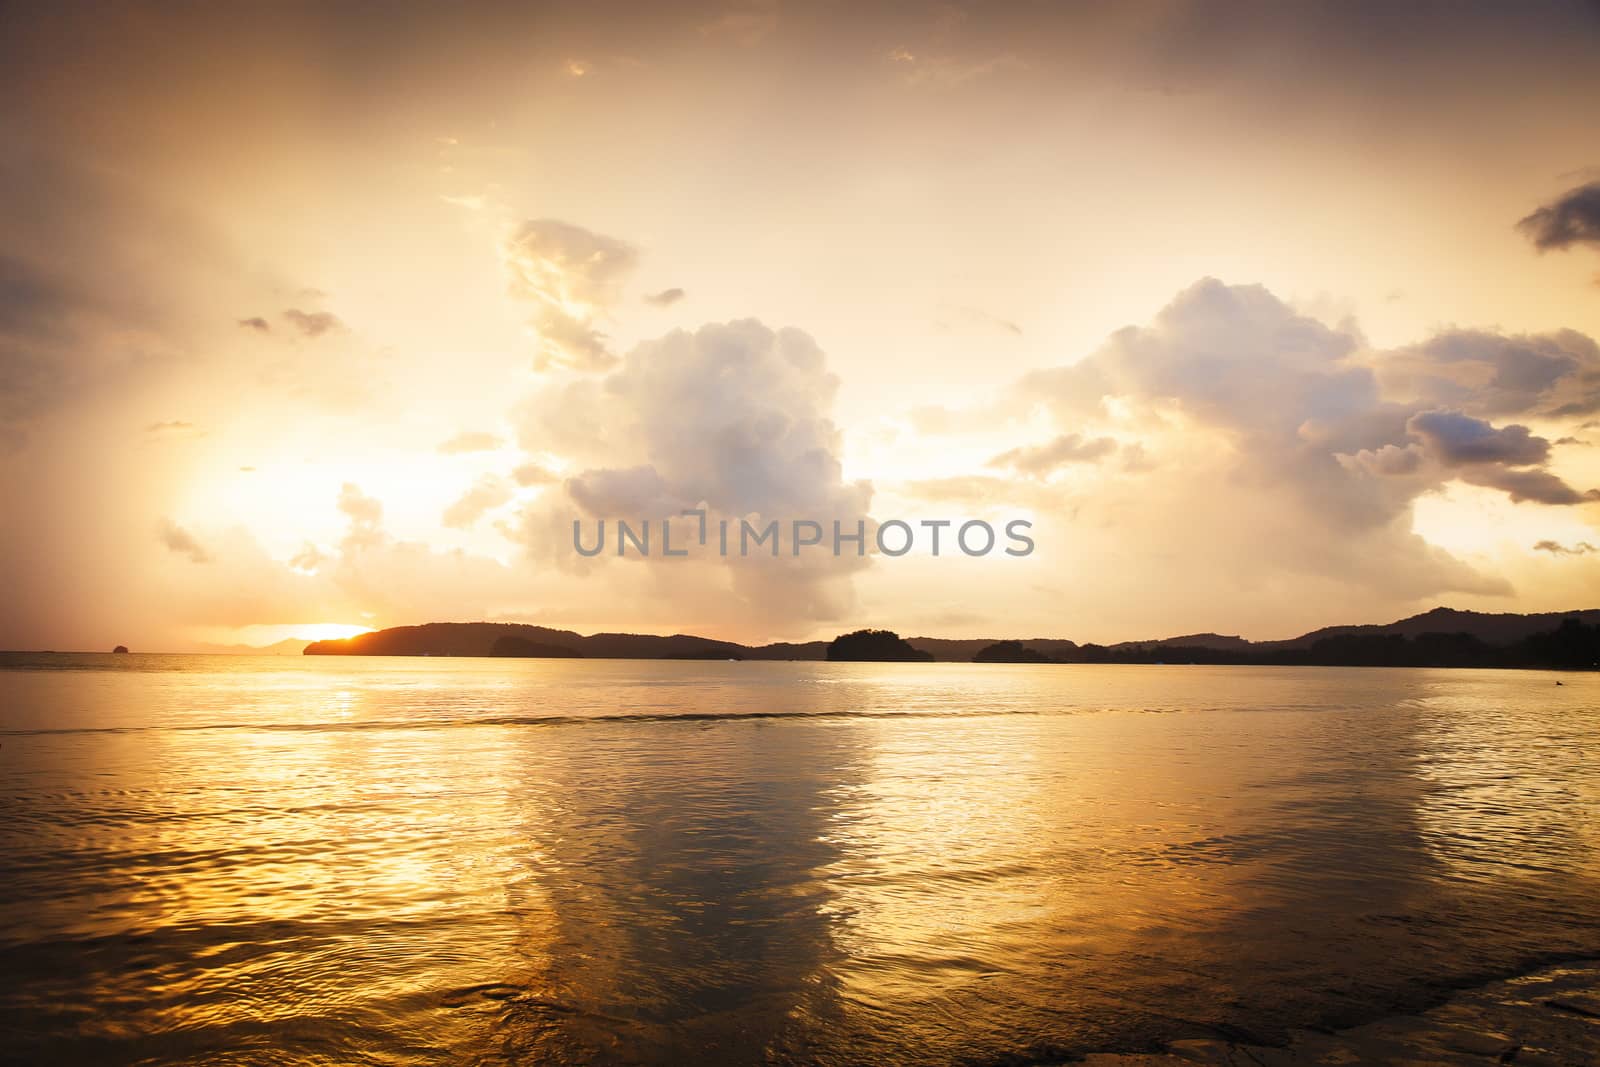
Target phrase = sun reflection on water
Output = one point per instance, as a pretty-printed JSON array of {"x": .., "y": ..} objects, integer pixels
[{"x": 318, "y": 862}]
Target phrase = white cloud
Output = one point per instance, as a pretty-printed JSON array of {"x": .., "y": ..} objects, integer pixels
[
  {"x": 489, "y": 492},
  {"x": 471, "y": 441},
  {"x": 732, "y": 417},
  {"x": 570, "y": 277}
]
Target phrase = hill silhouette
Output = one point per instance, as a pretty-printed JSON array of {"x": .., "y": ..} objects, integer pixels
[
  {"x": 1442, "y": 637},
  {"x": 512, "y": 645},
  {"x": 1011, "y": 652},
  {"x": 1492, "y": 629},
  {"x": 875, "y": 646}
]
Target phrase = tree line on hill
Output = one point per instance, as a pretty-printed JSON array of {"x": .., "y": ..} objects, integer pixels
[
  {"x": 1439, "y": 638},
  {"x": 1573, "y": 645}
]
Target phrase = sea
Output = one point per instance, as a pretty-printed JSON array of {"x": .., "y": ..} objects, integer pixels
[{"x": 329, "y": 860}]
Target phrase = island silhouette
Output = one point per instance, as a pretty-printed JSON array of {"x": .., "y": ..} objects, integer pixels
[
  {"x": 875, "y": 646},
  {"x": 1443, "y": 637}
]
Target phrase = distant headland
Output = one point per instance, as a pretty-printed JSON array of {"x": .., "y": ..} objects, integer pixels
[{"x": 1443, "y": 637}]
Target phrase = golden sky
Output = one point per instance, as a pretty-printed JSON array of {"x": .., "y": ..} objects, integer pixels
[{"x": 319, "y": 316}]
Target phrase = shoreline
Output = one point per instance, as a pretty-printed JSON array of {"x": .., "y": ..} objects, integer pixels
[
  {"x": 1068, "y": 665},
  {"x": 1549, "y": 1017}
]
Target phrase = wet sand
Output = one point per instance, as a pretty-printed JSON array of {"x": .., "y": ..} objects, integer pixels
[{"x": 1550, "y": 1018}]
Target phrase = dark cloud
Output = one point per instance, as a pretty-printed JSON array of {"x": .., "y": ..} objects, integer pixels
[
  {"x": 1537, "y": 486},
  {"x": 1457, "y": 440},
  {"x": 1040, "y": 460},
  {"x": 665, "y": 298},
  {"x": 1451, "y": 443},
  {"x": 1573, "y": 218},
  {"x": 172, "y": 428},
  {"x": 1555, "y": 548},
  {"x": 313, "y": 323},
  {"x": 1483, "y": 373},
  {"x": 79, "y": 312},
  {"x": 180, "y": 541},
  {"x": 257, "y": 323}
]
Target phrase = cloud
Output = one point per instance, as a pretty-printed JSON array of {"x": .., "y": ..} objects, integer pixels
[
  {"x": 734, "y": 414},
  {"x": 977, "y": 418},
  {"x": 172, "y": 428},
  {"x": 983, "y": 319},
  {"x": 1573, "y": 218},
  {"x": 1481, "y": 454},
  {"x": 948, "y": 71},
  {"x": 1304, "y": 407},
  {"x": 369, "y": 576},
  {"x": 733, "y": 417},
  {"x": 529, "y": 474},
  {"x": 973, "y": 490},
  {"x": 1484, "y": 373},
  {"x": 471, "y": 441},
  {"x": 1279, "y": 457},
  {"x": 748, "y": 23},
  {"x": 1135, "y": 459},
  {"x": 571, "y": 277},
  {"x": 1539, "y": 487},
  {"x": 180, "y": 541},
  {"x": 1041, "y": 460},
  {"x": 1390, "y": 461},
  {"x": 366, "y": 517},
  {"x": 1459, "y": 440},
  {"x": 1555, "y": 548},
  {"x": 625, "y": 494},
  {"x": 313, "y": 323},
  {"x": 665, "y": 298},
  {"x": 489, "y": 492},
  {"x": 1270, "y": 446},
  {"x": 948, "y": 52},
  {"x": 309, "y": 559},
  {"x": 82, "y": 314},
  {"x": 256, "y": 323}
]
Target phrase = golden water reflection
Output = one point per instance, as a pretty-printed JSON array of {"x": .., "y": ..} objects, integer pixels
[{"x": 475, "y": 861}]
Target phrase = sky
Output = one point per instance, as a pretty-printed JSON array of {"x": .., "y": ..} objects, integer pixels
[{"x": 324, "y": 317}]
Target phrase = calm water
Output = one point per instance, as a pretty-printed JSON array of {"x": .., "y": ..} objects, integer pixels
[{"x": 352, "y": 861}]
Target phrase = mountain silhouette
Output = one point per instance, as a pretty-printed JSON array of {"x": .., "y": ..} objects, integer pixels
[{"x": 1442, "y": 637}]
